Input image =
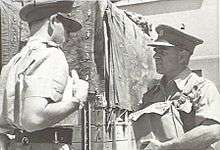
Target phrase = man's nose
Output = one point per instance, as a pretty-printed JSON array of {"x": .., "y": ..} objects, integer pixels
[{"x": 156, "y": 55}]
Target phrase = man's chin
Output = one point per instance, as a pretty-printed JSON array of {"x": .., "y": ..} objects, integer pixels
[{"x": 159, "y": 71}]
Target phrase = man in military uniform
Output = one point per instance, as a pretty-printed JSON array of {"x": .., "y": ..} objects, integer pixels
[
  {"x": 183, "y": 107},
  {"x": 38, "y": 91}
]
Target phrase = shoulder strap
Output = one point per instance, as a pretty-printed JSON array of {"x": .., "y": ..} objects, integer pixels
[{"x": 194, "y": 82}]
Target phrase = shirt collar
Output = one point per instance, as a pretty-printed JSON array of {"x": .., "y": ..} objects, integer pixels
[
  {"x": 181, "y": 80},
  {"x": 31, "y": 41}
]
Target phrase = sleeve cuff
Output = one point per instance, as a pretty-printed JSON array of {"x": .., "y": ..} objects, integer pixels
[{"x": 43, "y": 87}]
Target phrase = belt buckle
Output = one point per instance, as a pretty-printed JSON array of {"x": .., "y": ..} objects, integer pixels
[
  {"x": 25, "y": 140},
  {"x": 59, "y": 138}
]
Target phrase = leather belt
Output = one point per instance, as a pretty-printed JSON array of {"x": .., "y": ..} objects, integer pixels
[{"x": 49, "y": 135}]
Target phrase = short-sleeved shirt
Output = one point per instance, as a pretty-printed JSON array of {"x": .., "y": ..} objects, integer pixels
[
  {"x": 39, "y": 70},
  {"x": 205, "y": 107}
]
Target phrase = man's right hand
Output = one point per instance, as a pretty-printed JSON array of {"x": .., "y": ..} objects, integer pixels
[
  {"x": 80, "y": 88},
  {"x": 157, "y": 108},
  {"x": 135, "y": 115}
]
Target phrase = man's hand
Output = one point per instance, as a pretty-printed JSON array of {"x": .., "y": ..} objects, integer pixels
[
  {"x": 80, "y": 88},
  {"x": 150, "y": 144},
  {"x": 134, "y": 116},
  {"x": 157, "y": 108}
]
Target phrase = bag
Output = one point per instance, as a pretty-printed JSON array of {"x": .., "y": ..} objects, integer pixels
[
  {"x": 4, "y": 121},
  {"x": 9, "y": 108}
]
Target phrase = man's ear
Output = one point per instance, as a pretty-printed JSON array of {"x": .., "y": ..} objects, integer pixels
[
  {"x": 51, "y": 27},
  {"x": 184, "y": 57}
]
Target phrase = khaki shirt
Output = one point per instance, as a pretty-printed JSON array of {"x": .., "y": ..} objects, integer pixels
[
  {"x": 39, "y": 70},
  {"x": 175, "y": 122}
]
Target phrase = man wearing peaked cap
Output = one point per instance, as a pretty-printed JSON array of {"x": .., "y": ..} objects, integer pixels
[
  {"x": 171, "y": 37},
  {"x": 183, "y": 107},
  {"x": 35, "y": 10},
  {"x": 38, "y": 81}
]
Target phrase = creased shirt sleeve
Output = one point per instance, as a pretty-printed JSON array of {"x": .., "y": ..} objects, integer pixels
[
  {"x": 209, "y": 104},
  {"x": 49, "y": 77}
]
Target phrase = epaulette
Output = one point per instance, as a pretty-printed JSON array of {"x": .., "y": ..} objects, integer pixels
[{"x": 195, "y": 82}]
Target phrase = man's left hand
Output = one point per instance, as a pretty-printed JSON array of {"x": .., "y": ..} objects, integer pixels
[
  {"x": 80, "y": 88},
  {"x": 152, "y": 144},
  {"x": 135, "y": 115}
]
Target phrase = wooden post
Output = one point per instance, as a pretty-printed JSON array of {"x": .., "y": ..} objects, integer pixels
[
  {"x": 0, "y": 42},
  {"x": 83, "y": 133}
]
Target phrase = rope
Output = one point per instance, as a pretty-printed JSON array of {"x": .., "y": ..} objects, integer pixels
[{"x": 171, "y": 108}]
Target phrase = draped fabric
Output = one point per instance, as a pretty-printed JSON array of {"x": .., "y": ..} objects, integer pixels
[
  {"x": 130, "y": 60},
  {"x": 10, "y": 28}
]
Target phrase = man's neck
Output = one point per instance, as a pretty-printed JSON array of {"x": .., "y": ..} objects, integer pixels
[
  {"x": 39, "y": 31},
  {"x": 171, "y": 75}
]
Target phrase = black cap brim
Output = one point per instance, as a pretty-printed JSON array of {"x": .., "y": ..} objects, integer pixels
[
  {"x": 42, "y": 9},
  {"x": 70, "y": 24}
]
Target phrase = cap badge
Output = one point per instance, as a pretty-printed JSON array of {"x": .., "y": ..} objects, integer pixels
[{"x": 161, "y": 33}]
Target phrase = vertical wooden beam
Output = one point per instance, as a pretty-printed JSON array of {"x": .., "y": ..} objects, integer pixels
[
  {"x": 89, "y": 125},
  {"x": 0, "y": 40},
  {"x": 84, "y": 134}
]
